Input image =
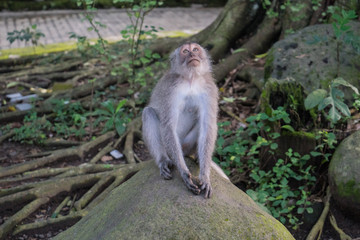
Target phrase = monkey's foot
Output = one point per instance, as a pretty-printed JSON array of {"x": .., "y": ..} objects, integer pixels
[
  {"x": 165, "y": 171},
  {"x": 206, "y": 187},
  {"x": 191, "y": 183}
]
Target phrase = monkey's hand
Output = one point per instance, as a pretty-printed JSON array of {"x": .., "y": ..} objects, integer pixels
[
  {"x": 206, "y": 186},
  {"x": 190, "y": 182},
  {"x": 165, "y": 170}
]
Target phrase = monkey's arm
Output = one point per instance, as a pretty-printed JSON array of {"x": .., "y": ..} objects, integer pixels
[
  {"x": 206, "y": 141},
  {"x": 173, "y": 149}
]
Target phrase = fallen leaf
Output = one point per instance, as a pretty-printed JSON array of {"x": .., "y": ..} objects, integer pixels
[{"x": 106, "y": 158}]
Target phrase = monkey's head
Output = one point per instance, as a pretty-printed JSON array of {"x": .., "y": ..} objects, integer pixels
[{"x": 190, "y": 57}]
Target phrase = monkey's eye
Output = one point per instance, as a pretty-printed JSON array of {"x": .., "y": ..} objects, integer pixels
[
  {"x": 195, "y": 50},
  {"x": 185, "y": 51}
]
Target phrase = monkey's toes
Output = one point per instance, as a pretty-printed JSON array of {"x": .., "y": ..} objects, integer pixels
[
  {"x": 165, "y": 172},
  {"x": 190, "y": 183},
  {"x": 206, "y": 187}
]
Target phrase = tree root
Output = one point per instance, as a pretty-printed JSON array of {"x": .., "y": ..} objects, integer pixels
[
  {"x": 19, "y": 216},
  {"x": 343, "y": 235},
  {"x": 61, "y": 220},
  {"x": 316, "y": 230},
  {"x": 61, "y": 67},
  {"x": 79, "y": 152},
  {"x": 108, "y": 148},
  {"x": 40, "y": 193},
  {"x": 6, "y": 136},
  {"x": 128, "y": 148},
  {"x": 258, "y": 43}
]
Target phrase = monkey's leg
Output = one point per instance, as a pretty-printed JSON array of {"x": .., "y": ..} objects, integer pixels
[
  {"x": 152, "y": 138},
  {"x": 188, "y": 144}
]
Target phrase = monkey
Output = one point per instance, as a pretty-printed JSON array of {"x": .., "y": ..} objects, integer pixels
[{"x": 181, "y": 117}]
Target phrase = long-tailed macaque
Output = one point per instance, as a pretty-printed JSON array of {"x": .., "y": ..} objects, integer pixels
[{"x": 181, "y": 117}]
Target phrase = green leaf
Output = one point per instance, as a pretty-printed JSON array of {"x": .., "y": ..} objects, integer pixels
[
  {"x": 12, "y": 84},
  {"x": 120, "y": 105},
  {"x": 310, "y": 210},
  {"x": 274, "y": 146},
  {"x": 315, "y": 154},
  {"x": 315, "y": 98},
  {"x": 156, "y": 56},
  {"x": 288, "y": 127},
  {"x": 239, "y": 50},
  {"x": 341, "y": 81},
  {"x": 230, "y": 99},
  {"x": 147, "y": 53}
]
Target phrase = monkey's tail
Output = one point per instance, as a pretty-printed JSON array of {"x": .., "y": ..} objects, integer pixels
[{"x": 219, "y": 170}]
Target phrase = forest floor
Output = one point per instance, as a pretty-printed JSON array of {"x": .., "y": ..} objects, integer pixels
[{"x": 14, "y": 153}]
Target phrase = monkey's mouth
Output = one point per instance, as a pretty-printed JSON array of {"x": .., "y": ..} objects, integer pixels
[{"x": 193, "y": 61}]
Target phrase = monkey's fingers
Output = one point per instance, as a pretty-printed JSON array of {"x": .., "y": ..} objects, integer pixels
[
  {"x": 165, "y": 172},
  {"x": 190, "y": 184},
  {"x": 207, "y": 188}
]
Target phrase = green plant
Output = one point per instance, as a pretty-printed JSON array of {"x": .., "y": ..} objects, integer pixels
[
  {"x": 135, "y": 35},
  {"x": 101, "y": 45},
  {"x": 343, "y": 31},
  {"x": 333, "y": 98},
  {"x": 282, "y": 188},
  {"x": 31, "y": 34},
  {"x": 326, "y": 141},
  {"x": 275, "y": 191},
  {"x": 33, "y": 131},
  {"x": 68, "y": 118},
  {"x": 113, "y": 116}
]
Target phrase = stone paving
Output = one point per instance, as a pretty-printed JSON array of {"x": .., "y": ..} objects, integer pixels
[{"x": 57, "y": 24}]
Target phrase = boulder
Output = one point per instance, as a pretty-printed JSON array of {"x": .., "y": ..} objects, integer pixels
[
  {"x": 310, "y": 57},
  {"x": 149, "y": 207},
  {"x": 344, "y": 174},
  {"x": 306, "y": 61}
]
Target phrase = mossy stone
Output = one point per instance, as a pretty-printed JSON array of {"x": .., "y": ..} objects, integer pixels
[{"x": 344, "y": 174}]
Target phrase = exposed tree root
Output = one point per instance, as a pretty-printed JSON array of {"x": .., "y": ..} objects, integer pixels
[
  {"x": 128, "y": 148},
  {"x": 61, "y": 220},
  {"x": 261, "y": 41},
  {"x": 40, "y": 193},
  {"x": 61, "y": 67},
  {"x": 79, "y": 152},
  {"x": 108, "y": 148},
  {"x": 343, "y": 236},
  {"x": 316, "y": 230},
  {"x": 19, "y": 216}
]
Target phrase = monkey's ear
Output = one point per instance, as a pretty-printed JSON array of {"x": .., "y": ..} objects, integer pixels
[{"x": 173, "y": 56}]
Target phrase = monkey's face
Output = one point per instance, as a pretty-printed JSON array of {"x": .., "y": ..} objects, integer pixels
[{"x": 191, "y": 55}]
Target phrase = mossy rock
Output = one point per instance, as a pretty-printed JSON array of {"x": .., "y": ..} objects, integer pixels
[
  {"x": 148, "y": 207},
  {"x": 309, "y": 57},
  {"x": 344, "y": 177}
]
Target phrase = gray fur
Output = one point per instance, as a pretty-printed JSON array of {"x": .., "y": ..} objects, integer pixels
[{"x": 181, "y": 118}]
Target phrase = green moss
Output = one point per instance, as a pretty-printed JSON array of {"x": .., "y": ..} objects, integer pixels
[
  {"x": 37, "y": 50},
  {"x": 286, "y": 93},
  {"x": 300, "y": 134},
  {"x": 269, "y": 64},
  {"x": 349, "y": 190},
  {"x": 67, "y": 46}
]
